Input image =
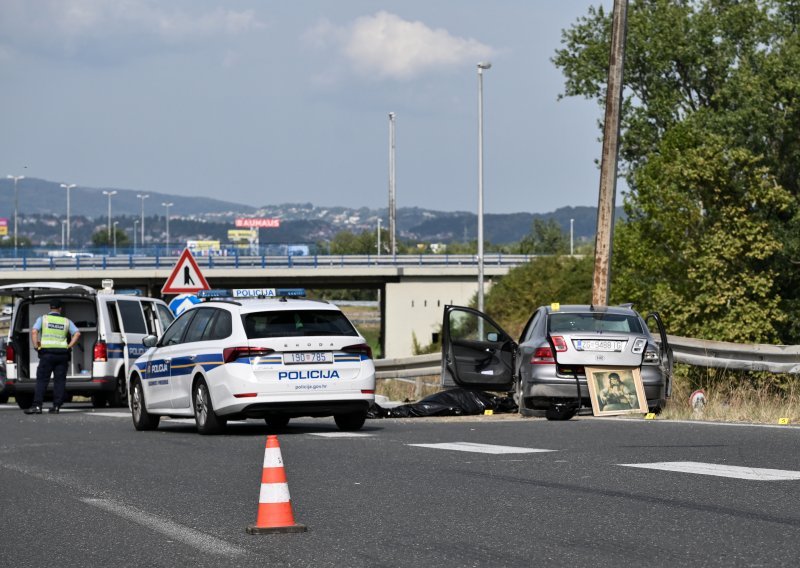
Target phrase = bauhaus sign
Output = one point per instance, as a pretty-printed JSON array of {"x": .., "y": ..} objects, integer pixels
[{"x": 258, "y": 223}]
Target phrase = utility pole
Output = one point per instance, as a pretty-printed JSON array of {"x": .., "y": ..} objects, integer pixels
[
  {"x": 608, "y": 164},
  {"x": 392, "y": 188}
]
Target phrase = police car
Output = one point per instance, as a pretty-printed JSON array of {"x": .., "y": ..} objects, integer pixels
[{"x": 254, "y": 353}]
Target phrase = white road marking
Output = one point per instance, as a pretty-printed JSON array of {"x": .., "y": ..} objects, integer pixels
[
  {"x": 738, "y": 472},
  {"x": 480, "y": 448},
  {"x": 341, "y": 434},
  {"x": 193, "y": 538},
  {"x": 112, "y": 414}
]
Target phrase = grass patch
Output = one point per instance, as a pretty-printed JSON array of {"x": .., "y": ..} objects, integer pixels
[
  {"x": 736, "y": 397},
  {"x": 406, "y": 391}
]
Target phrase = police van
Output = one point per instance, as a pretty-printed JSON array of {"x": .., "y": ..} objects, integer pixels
[
  {"x": 254, "y": 353},
  {"x": 112, "y": 326}
]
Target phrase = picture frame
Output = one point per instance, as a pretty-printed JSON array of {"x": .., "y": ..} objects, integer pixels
[{"x": 616, "y": 391}]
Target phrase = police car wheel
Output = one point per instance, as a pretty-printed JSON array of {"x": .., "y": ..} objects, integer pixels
[
  {"x": 204, "y": 416},
  {"x": 142, "y": 420},
  {"x": 349, "y": 422},
  {"x": 119, "y": 398},
  {"x": 277, "y": 421}
]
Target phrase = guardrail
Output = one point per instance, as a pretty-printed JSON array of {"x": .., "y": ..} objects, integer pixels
[
  {"x": 697, "y": 352},
  {"x": 132, "y": 261}
]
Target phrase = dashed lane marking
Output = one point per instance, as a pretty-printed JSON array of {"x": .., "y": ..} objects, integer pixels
[
  {"x": 738, "y": 472},
  {"x": 481, "y": 448}
]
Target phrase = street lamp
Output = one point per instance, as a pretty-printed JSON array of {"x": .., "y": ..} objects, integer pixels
[
  {"x": 571, "y": 241},
  {"x": 109, "y": 193},
  {"x": 481, "y": 67},
  {"x": 379, "y": 236},
  {"x": 16, "y": 179},
  {"x": 62, "y": 234},
  {"x": 135, "y": 229},
  {"x": 115, "y": 237},
  {"x": 67, "y": 186},
  {"x": 142, "y": 197},
  {"x": 167, "y": 205}
]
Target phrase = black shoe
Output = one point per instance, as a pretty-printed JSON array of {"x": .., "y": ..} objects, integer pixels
[
  {"x": 33, "y": 410},
  {"x": 54, "y": 410}
]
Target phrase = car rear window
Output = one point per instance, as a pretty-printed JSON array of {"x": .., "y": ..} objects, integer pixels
[
  {"x": 593, "y": 322},
  {"x": 294, "y": 323}
]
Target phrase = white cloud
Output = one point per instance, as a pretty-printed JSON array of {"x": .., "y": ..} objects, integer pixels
[{"x": 387, "y": 46}]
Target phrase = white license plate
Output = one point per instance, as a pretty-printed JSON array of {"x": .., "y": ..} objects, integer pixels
[
  {"x": 599, "y": 345},
  {"x": 307, "y": 357}
]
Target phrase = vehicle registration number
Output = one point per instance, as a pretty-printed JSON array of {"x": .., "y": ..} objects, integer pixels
[
  {"x": 599, "y": 345},
  {"x": 305, "y": 357}
]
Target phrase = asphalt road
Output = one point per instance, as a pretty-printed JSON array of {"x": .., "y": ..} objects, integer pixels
[{"x": 82, "y": 488}]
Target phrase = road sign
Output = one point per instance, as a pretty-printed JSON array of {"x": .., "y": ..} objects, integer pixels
[
  {"x": 186, "y": 277},
  {"x": 183, "y": 302}
]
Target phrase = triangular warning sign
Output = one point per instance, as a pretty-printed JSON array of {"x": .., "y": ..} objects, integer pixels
[{"x": 186, "y": 277}]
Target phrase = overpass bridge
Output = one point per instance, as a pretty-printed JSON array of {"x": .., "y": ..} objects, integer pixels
[{"x": 413, "y": 288}]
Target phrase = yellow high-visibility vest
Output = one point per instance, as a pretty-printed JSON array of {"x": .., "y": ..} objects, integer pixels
[{"x": 55, "y": 331}]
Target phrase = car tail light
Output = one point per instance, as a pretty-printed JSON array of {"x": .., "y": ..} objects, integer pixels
[
  {"x": 638, "y": 345},
  {"x": 543, "y": 356},
  {"x": 367, "y": 391},
  {"x": 360, "y": 348},
  {"x": 559, "y": 343},
  {"x": 100, "y": 351},
  {"x": 233, "y": 353},
  {"x": 10, "y": 353}
]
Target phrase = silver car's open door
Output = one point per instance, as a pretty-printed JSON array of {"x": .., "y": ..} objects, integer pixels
[
  {"x": 476, "y": 352},
  {"x": 665, "y": 351}
]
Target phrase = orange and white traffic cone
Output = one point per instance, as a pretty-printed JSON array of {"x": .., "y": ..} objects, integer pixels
[{"x": 274, "y": 504}]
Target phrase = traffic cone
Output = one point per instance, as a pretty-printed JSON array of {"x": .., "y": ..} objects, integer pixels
[{"x": 274, "y": 504}]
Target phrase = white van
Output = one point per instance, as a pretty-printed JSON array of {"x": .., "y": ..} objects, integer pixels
[{"x": 112, "y": 327}]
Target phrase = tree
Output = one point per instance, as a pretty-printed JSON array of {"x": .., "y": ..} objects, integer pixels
[
  {"x": 546, "y": 237},
  {"x": 714, "y": 85},
  {"x": 100, "y": 238}
]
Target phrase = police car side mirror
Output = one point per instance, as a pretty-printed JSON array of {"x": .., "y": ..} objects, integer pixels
[{"x": 149, "y": 340}]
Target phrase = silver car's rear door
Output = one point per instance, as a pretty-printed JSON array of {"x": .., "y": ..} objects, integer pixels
[{"x": 476, "y": 352}]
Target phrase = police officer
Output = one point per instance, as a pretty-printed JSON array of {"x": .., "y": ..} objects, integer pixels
[{"x": 53, "y": 336}]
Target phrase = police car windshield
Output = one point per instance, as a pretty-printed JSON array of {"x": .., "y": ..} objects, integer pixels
[{"x": 296, "y": 323}]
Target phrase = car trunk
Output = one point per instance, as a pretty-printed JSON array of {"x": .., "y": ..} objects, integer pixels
[
  {"x": 83, "y": 313},
  {"x": 602, "y": 349}
]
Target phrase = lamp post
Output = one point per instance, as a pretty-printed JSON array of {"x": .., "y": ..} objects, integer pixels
[
  {"x": 167, "y": 205},
  {"x": 16, "y": 179},
  {"x": 481, "y": 67},
  {"x": 109, "y": 193},
  {"x": 62, "y": 234},
  {"x": 571, "y": 232},
  {"x": 67, "y": 186},
  {"x": 143, "y": 197},
  {"x": 379, "y": 236},
  {"x": 115, "y": 237},
  {"x": 135, "y": 228},
  {"x": 392, "y": 187}
]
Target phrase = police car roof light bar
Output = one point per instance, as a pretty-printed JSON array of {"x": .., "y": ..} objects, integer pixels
[{"x": 252, "y": 293}]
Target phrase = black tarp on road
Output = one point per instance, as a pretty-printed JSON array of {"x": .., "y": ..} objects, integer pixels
[{"x": 452, "y": 402}]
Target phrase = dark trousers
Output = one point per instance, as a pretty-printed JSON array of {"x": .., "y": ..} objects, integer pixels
[{"x": 51, "y": 361}]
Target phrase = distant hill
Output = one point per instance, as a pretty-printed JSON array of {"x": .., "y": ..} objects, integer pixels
[{"x": 42, "y": 203}]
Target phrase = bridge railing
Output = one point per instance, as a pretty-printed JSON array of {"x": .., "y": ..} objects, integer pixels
[{"x": 131, "y": 261}]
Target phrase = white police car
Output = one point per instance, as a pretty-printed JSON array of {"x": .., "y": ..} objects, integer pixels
[{"x": 261, "y": 353}]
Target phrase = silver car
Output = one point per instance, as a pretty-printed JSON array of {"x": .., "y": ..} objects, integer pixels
[{"x": 545, "y": 369}]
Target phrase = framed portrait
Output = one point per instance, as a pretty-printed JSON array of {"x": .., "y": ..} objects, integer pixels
[{"x": 616, "y": 391}]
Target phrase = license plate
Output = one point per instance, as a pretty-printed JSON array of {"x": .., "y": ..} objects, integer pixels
[
  {"x": 599, "y": 345},
  {"x": 307, "y": 357}
]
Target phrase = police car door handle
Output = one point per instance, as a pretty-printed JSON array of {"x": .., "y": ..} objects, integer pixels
[{"x": 192, "y": 357}]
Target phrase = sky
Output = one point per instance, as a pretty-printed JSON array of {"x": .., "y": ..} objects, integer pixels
[{"x": 288, "y": 102}]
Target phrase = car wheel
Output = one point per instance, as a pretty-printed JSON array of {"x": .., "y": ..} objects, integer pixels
[
  {"x": 142, "y": 420},
  {"x": 204, "y": 416},
  {"x": 350, "y": 422},
  {"x": 554, "y": 413},
  {"x": 277, "y": 422},
  {"x": 24, "y": 400},
  {"x": 119, "y": 397},
  {"x": 99, "y": 400}
]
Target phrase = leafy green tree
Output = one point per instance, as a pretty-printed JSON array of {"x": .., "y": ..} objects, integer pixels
[
  {"x": 711, "y": 124},
  {"x": 544, "y": 280},
  {"x": 100, "y": 238},
  {"x": 546, "y": 237}
]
